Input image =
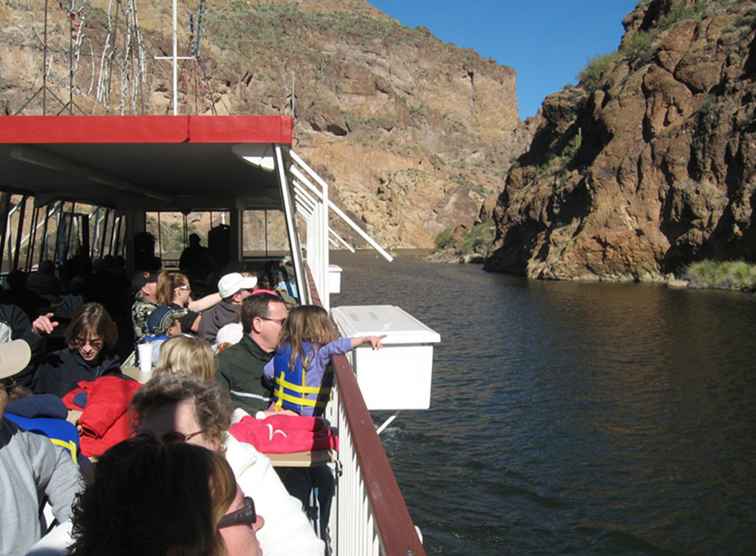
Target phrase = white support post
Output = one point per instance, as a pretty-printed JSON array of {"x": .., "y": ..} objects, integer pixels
[
  {"x": 325, "y": 296},
  {"x": 296, "y": 252}
]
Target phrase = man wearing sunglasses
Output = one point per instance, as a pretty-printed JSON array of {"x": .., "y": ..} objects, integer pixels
[
  {"x": 240, "y": 367},
  {"x": 32, "y": 470}
]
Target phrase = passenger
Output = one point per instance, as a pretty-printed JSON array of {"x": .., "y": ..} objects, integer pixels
[
  {"x": 201, "y": 412},
  {"x": 233, "y": 288},
  {"x": 240, "y": 367},
  {"x": 15, "y": 325},
  {"x": 164, "y": 323},
  {"x": 278, "y": 279},
  {"x": 32, "y": 470},
  {"x": 163, "y": 498},
  {"x": 189, "y": 355},
  {"x": 145, "y": 300},
  {"x": 91, "y": 338},
  {"x": 18, "y": 294},
  {"x": 43, "y": 281},
  {"x": 228, "y": 336},
  {"x": 196, "y": 261},
  {"x": 309, "y": 339},
  {"x": 173, "y": 289}
]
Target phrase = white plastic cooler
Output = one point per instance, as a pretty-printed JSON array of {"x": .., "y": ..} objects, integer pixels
[{"x": 398, "y": 376}]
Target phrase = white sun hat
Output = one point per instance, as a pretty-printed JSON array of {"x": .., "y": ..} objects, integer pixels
[
  {"x": 230, "y": 334},
  {"x": 14, "y": 357},
  {"x": 229, "y": 284}
]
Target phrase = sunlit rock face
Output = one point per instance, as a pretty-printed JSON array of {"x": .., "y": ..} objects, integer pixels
[
  {"x": 413, "y": 134},
  {"x": 648, "y": 164}
]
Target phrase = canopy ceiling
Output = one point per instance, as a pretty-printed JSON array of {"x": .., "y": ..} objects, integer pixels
[{"x": 150, "y": 162}]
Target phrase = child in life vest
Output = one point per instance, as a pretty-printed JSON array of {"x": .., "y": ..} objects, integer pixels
[{"x": 298, "y": 369}]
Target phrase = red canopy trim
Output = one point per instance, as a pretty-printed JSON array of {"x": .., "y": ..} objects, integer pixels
[{"x": 145, "y": 129}]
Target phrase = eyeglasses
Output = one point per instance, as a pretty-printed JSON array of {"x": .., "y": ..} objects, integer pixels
[
  {"x": 96, "y": 343},
  {"x": 280, "y": 322},
  {"x": 175, "y": 436},
  {"x": 245, "y": 515}
]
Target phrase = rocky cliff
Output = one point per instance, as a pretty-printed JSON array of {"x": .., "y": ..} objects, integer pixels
[
  {"x": 648, "y": 163},
  {"x": 412, "y": 133}
]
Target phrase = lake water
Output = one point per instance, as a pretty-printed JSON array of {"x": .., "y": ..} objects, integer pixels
[{"x": 573, "y": 418}]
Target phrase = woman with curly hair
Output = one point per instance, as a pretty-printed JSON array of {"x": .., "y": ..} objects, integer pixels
[
  {"x": 91, "y": 340},
  {"x": 163, "y": 497}
]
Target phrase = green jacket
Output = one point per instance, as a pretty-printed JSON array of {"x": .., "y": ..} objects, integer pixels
[{"x": 240, "y": 372}]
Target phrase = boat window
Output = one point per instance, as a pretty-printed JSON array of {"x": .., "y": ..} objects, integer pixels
[
  {"x": 56, "y": 231},
  {"x": 264, "y": 233}
]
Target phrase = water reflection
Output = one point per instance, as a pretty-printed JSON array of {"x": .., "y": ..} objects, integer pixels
[{"x": 586, "y": 419}]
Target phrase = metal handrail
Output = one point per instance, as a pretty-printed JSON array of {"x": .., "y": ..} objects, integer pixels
[
  {"x": 383, "y": 508},
  {"x": 390, "y": 517}
]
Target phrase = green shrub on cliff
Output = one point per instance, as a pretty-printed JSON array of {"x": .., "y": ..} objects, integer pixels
[
  {"x": 639, "y": 47},
  {"x": 681, "y": 11},
  {"x": 597, "y": 67},
  {"x": 728, "y": 275},
  {"x": 444, "y": 239},
  {"x": 479, "y": 238}
]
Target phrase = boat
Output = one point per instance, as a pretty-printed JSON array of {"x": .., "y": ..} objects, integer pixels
[{"x": 73, "y": 183}]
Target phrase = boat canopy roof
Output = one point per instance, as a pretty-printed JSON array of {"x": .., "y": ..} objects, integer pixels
[{"x": 149, "y": 162}]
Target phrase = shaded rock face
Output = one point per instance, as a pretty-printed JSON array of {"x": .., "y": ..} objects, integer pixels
[
  {"x": 649, "y": 167},
  {"x": 413, "y": 134}
]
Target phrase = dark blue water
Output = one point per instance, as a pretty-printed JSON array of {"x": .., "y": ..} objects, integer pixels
[{"x": 573, "y": 418}]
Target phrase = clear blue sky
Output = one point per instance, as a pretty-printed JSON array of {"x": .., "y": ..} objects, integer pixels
[{"x": 547, "y": 42}]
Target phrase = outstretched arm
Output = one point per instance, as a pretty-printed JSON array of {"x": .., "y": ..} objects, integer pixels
[{"x": 204, "y": 302}]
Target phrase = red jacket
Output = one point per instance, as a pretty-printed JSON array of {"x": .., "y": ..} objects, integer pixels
[
  {"x": 104, "y": 420},
  {"x": 283, "y": 434}
]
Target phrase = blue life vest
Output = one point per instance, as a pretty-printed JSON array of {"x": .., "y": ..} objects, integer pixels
[
  {"x": 291, "y": 388},
  {"x": 59, "y": 431}
]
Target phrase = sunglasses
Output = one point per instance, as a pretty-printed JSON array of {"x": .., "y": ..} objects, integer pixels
[
  {"x": 96, "y": 343},
  {"x": 245, "y": 515}
]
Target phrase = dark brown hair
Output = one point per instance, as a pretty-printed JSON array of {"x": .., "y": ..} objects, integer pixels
[
  {"x": 92, "y": 319},
  {"x": 256, "y": 306},
  {"x": 151, "y": 498}
]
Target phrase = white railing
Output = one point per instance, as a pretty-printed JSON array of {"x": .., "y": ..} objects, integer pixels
[
  {"x": 311, "y": 201},
  {"x": 352, "y": 521},
  {"x": 369, "y": 516}
]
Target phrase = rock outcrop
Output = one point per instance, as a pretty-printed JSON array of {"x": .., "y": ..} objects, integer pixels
[
  {"x": 412, "y": 133},
  {"x": 648, "y": 163}
]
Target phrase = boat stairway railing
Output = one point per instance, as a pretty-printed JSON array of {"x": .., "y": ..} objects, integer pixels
[
  {"x": 311, "y": 201},
  {"x": 369, "y": 516}
]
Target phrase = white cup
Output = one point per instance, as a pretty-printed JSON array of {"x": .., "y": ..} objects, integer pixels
[{"x": 145, "y": 358}]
